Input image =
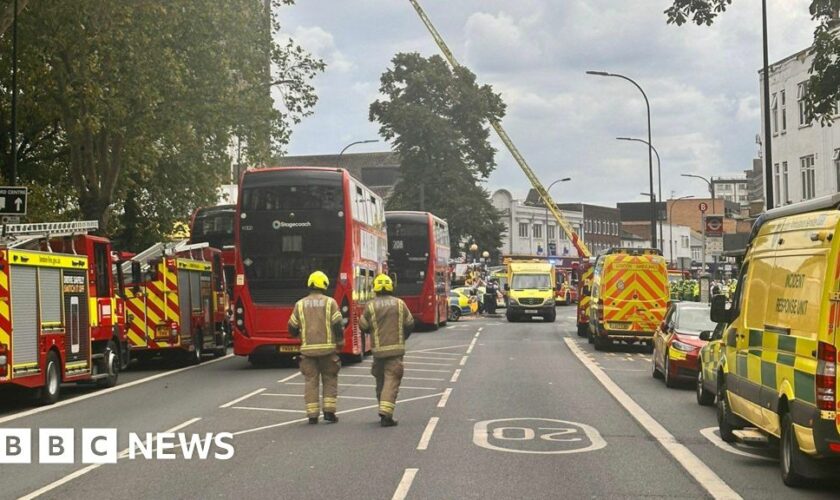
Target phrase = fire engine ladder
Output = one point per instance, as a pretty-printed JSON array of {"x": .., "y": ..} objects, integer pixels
[
  {"x": 20, "y": 235},
  {"x": 580, "y": 246},
  {"x": 154, "y": 251}
]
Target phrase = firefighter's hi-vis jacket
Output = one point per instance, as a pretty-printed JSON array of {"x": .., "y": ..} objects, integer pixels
[
  {"x": 317, "y": 320},
  {"x": 389, "y": 321}
]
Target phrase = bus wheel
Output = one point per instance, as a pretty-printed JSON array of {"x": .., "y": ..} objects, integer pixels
[{"x": 49, "y": 394}]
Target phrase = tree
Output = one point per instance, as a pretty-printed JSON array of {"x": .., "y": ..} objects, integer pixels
[
  {"x": 436, "y": 119},
  {"x": 142, "y": 100},
  {"x": 824, "y": 83}
]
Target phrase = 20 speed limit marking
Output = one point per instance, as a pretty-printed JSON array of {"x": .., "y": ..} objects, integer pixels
[{"x": 539, "y": 436}]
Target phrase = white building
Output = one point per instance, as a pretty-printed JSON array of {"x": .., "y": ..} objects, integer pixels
[
  {"x": 731, "y": 189},
  {"x": 675, "y": 242},
  {"x": 530, "y": 230},
  {"x": 806, "y": 155}
]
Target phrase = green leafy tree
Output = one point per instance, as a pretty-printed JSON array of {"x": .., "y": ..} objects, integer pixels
[
  {"x": 824, "y": 83},
  {"x": 436, "y": 119},
  {"x": 129, "y": 110}
]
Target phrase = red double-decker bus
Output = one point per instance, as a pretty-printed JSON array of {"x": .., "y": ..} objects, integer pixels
[
  {"x": 214, "y": 226},
  {"x": 291, "y": 221},
  {"x": 418, "y": 257}
]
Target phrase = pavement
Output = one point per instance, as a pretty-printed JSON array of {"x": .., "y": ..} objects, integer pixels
[{"x": 487, "y": 409}]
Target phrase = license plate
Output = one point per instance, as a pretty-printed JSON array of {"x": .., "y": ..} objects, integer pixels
[
  {"x": 288, "y": 348},
  {"x": 531, "y": 311}
]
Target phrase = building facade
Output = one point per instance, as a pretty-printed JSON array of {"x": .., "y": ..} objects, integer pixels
[
  {"x": 531, "y": 229},
  {"x": 806, "y": 154},
  {"x": 732, "y": 189}
]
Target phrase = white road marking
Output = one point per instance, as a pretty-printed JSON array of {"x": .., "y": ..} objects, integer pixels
[
  {"x": 92, "y": 467},
  {"x": 444, "y": 398},
  {"x": 290, "y": 377},
  {"x": 405, "y": 484},
  {"x": 404, "y": 378},
  {"x": 426, "y": 364},
  {"x": 242, "y": 398},
  {"x": 479, "y": 330},
  {"x": 710, "y": 434},
  {"x": 278, "y": 410},
  {"x": 352, "y": 410},
  {"x": 372, "y": 385},
  {"x": 455, "y": 376},
  {"x": 427, "y": 434},
  {"x": 430, "y": 358},
  {"x": 472, "y": 346},
  {"x": 425, "y": 370},
  {"x": 562, "y": 434},
  {"x": 103, "y": 392},
  {"x": 439, "y": 348},
  {"x": 701, "y": 473},
  {"x": 463, "y": 361},
  {"x": 342, "y": 396}
]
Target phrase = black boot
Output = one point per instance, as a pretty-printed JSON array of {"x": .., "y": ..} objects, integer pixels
[
  {"x": 387, "y": 421},
  {"x": 330, "y": 417},
  {"x": 313, "y": 420}
]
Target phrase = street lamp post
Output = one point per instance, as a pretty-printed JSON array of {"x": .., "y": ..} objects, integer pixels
[
  {"x": 13, "y": 173},
  {"x": 650, "y": 148},
  {"x": 658, "y": 176},
  {"x": 367, "y": 141},
  {"x": 671, "y": 226},
  {"x": 564, "y": 179},
  {"x": 768, "y": 138}
]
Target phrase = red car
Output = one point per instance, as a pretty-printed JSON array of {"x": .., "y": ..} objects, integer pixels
[{"x": 677, "y": 344}]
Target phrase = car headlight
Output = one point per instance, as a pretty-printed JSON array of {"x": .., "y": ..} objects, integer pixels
[
  {"x": 513, "y": 300},
  {"x": 682, "y": 346},
  {"x": 550, "y": 302}
]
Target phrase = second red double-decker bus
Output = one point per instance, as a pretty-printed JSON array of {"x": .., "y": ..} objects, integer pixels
[
  {"x": 291, "y": 221},
  {"x": 214, "y": 226},
  {"x": 418, "y": 257}
]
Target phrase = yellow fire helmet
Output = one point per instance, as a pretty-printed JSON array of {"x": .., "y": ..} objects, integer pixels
[
  {"x": 318, "y": 280},
  {"x": 383, "y": 283}
]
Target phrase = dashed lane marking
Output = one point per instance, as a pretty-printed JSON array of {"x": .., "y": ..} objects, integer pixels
[
  {"x": 277, "y": 410},
  {"x": 290, "y": 377},
  {"x": 463, "y": 360},
  {"x": 455, "y": 376},
  {"x": 341, "y": 396},
  {"x": 405, "y": 484},
  {"x": 427, "y": 434},
  {"x": 701, "y": 472},
  {"x": 103, "y": 392},
  {"x": 242, "y": 398},
  {"x": 444, "y": 398},
  {"x": 90, "y": 468}
]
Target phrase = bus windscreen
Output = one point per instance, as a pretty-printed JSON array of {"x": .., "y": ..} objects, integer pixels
[
  {"x": 291, "y": 224},
  {"x": 408, "y": 255},
  {"x": 213, "y": 226}
]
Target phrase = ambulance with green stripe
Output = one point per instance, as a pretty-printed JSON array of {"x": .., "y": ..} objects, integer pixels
[{"x": 777, "y": 369}]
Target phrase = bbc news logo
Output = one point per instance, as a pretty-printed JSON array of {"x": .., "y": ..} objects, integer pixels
[{"x": 100, "y": 446}]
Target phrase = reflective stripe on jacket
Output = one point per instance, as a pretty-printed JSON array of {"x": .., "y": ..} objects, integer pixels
[
  {"x": 387, "y": 318},
  {"x": 315, "y": 316}
]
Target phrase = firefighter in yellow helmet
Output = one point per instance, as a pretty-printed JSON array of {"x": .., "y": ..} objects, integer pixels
[
  {"x": 317, "y": 320},
  {"x": 389, "y": 321}
]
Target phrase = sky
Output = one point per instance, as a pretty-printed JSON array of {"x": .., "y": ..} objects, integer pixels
[{"x": 702, "y": 83}]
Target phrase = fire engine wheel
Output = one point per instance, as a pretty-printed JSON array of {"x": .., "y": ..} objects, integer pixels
[
  {"x": 111, "y": 366},
  {"x": 52, "y": 383},
  {"x": 194, "y": 357},
  {"x": 221, "y": 348}
]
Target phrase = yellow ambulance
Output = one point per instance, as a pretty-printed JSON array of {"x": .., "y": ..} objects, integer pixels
[
  {"x": 530, "y": 290},
  {"x": 777, "y": 376}
]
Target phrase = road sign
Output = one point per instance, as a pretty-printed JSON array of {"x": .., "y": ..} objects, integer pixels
[
  {"x": 714, "y": 225},
  {"x": 13, "y": 200},
  {"x": 703, "y": 206},
  {"x": 714, "y": 245}
]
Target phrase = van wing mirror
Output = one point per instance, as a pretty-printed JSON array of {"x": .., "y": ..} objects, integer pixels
[
  {"x": 706, "y": 335},
  {"x": 507, "y": 287},
  {"x": 720, "y": 310}
]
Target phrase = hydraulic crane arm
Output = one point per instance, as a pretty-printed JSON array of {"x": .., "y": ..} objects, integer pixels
[{"x": 580, "y": 246}]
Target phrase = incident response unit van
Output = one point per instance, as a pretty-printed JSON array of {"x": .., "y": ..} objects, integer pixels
[
  {"x": 777, "y": 379},
  {"x": 629, "y": 296},
  {"x": 530, "y": 288}
]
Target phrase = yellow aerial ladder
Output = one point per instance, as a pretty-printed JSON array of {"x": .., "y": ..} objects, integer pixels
[{"x": 580, "y": 246}]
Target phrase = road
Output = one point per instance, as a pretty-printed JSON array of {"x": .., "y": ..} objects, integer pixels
[{"x": 488, "y": 409}]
